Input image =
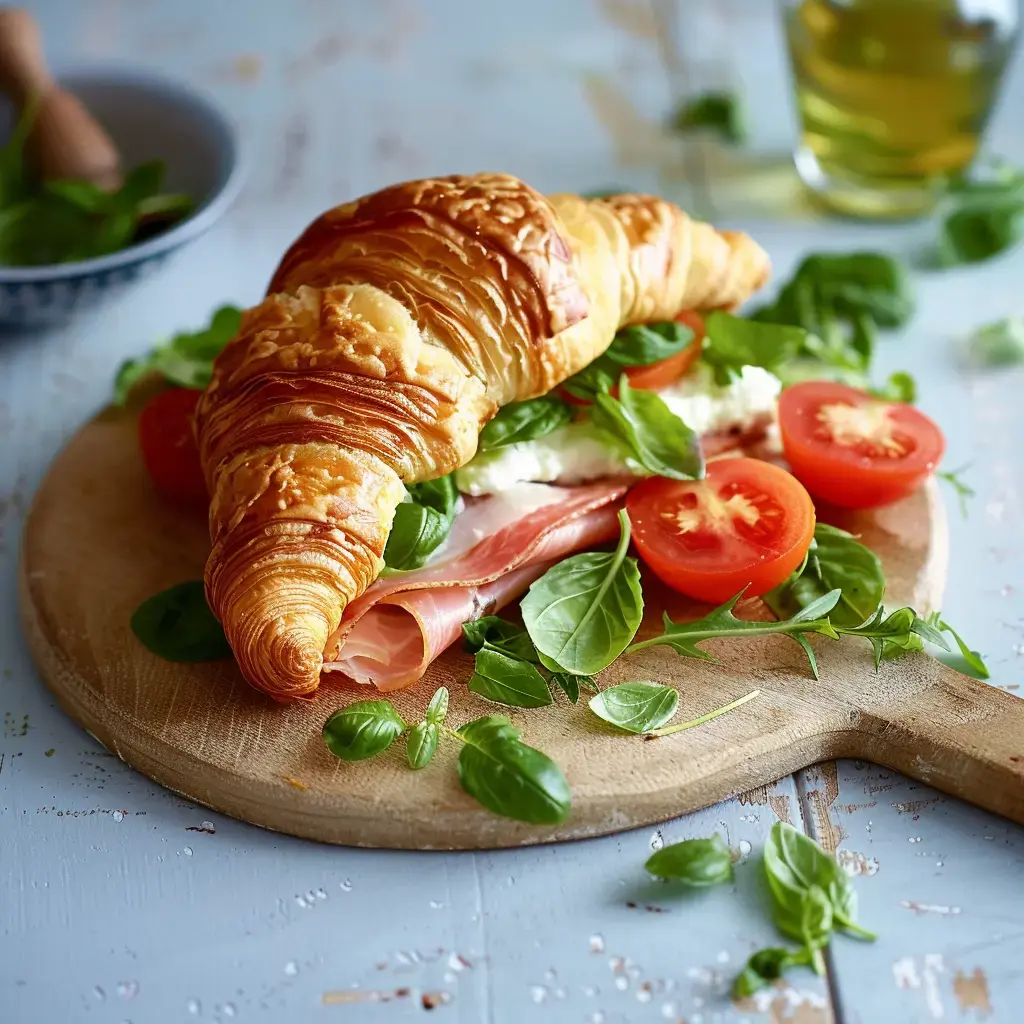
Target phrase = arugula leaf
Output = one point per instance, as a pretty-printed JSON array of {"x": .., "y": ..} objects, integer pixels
[
  {"x": 421, "y": 744},
  {"x": 583, "y": 612},
  {"x": 507, "y": 776},
  {"x": 964, "y": 660},
  {"x": 186, "y": 360},
  {"x": 719, "y": 112},
  {"x": 835, "y": 561},
  {"x": 525, "y": 421},
  {"x": 363, "y": 729},
  {"x": 897, "y": 633},
  {"x": 963, "y": 490},
  {"x": 421, "y": 525},
  {"x": 766, "y": 966},
  {"x": 498, "y": 633},
  {"x": 649, "y": 431},
  {"x": 507, "y": 680},
  {"x": 177, "y": 625},
  {"x": 636, "y": 707},
  {"x": 795, "y": 866},
  {"x": 683, "y": 637},
  {"x": 997, "y": 345},
  {"x": 697, "y": 862},
  {"x": 732, "y": 342}
]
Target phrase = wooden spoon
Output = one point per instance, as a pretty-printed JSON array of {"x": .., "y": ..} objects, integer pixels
[{"x": 66, "y": 140}]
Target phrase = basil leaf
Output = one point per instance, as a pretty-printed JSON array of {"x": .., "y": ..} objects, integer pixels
[
  {"x": 141, "y": 182},
  {"x": 861, "y": 282},
  {"x": 978, "y": 231},
  {"x": 636, "y": 707},
  {"x": 508, "y": 777},
  {"x": 507, "y": 680},
  {"x": 650, "y": 432},
  {"x": 900, "y": 387},
  {"x": 644, "y": 344},
  {"x": 766, "y": 966},
  {"x": 583, "y": 612},
  {"x": 89, "y": 198},
  {"x": 794, "y": 865},
  {"x": 596, "y": 379},
  {"x": 697, "y": 862},
  {"x": 719, "y": 112},
  {"x": 998, "y": 344},
  {"x": 836, "y": 561},
  {"x": 525, "y": 421},
  {"x": 363, "y": 729},
  {"x": 814, "y": 925},
  {"x": 732, "y": 342},
  {"x": 416, "y": 533},
  {"x": 186, "y": 360},
  {"x": 499, "y": 633},
  {"x": 177, "y": 625},
  {"x": 568, "y": 684},
  {"x": 684, "y": 637},
  {"x": 437, "y": 709},
  {"x": 421, "y": 744},
  {"x": 440, "y": 494}
]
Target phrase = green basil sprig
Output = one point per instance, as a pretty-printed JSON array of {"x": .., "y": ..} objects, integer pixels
[
  {"x": 583, "y": 612},
  {"x": 178, "y": 625},
  {"x": 765, "y": 967},
  {"x": 835, "y": 561},
  {"x": 185, "y": 360},
  {"x": 422, "y": 524},
  {"x": 495, "y": 766},
  {"x": 525, "y": 421},
  {"x": 697, "y": 862},
  {"x": 649, "y": 432}
]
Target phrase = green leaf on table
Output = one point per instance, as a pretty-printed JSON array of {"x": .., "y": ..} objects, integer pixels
[
  {"x": 697, "y": 862},
  {"x": 900, "y": 387},
  {"x": 733, "y": 342},
  {"x": 997, "y": 345},
  {"x": 186, "y": 360},
  {"x": 894, "y": 634},
  {"x": 499, "y": 633},
  {"x": 964, "y": 659},
  {"x": 980, "y": 229},
  {"x": 649, "y": 432},
  {"x": 835, "y": 561},
  {"x": 765, "y": 967},
  {"x": 363, "y": 729},
  {"x": 568, "y": 684},
  {"x": 178, "y": 625},
  {"x": 636, "y": 707},
  {"x": 507, "y": 680},
  {"x": 583, "y": 612},
  {"x": 421, "y": 744},
  {"x": 508, "y": 777},
  {"x": 437, "y": 709},
  {"x": 684, "y": 637},
  {"x": 718, "y": 112},
  {"x": 525, "y": 421}
]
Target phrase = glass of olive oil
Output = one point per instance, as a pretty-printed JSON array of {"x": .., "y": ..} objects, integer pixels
[{"x": 893, "y": 95}]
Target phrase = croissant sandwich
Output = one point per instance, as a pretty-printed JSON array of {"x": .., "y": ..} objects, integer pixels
[{"x": 393, "y": 330}]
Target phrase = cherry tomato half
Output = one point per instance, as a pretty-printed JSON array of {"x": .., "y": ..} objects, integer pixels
[
  {"x": 661, "y": 374},
  {"x": 746, "y": 524},
  {"x": 853, "y": 450},
  {"x": 169, "y": 448}
]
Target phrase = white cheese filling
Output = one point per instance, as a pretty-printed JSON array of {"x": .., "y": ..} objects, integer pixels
[{"x": 580, "y": 452}]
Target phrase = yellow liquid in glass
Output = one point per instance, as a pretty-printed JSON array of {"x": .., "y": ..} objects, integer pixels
[{"x": 894, "y": 95}]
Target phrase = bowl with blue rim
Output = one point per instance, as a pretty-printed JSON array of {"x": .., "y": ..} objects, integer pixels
[{"x": 150, "y": 119}]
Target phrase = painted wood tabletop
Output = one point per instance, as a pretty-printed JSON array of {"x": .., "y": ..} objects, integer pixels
[{"x": 121, "y": 902}]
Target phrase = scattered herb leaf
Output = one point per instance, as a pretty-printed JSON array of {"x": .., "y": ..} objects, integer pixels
[
  {"x": 697, "y": 862},
  {"x": 437, "y": 709},
  {"x": 718, "y": 112},
  {"x": 363, "y": 729},
  {"x": 178, "y": 625},
  {"x": 767, "y": 966},
  {"x": 421, "y": 744},
  {"x": 997, "y": 345},
  {"x": 507, "y": 680},
  {"x": 636, "y": 707}
]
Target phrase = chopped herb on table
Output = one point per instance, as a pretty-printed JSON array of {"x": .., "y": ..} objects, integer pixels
[{"x": 718, "y": 112}]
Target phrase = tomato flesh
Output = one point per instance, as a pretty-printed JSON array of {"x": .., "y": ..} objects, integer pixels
[
  {"x": 853, "y": 450},
  {"x": 168, "y": 446},
  {"x": 746, "y": 524}
]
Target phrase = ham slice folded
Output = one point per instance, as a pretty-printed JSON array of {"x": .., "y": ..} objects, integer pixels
[{"x": 497, "y": 547}]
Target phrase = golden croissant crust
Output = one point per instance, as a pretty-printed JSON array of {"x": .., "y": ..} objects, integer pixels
[{"x": 394, "y": 329}]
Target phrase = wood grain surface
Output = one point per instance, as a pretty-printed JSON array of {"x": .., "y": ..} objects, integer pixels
[{"x": 99, "y": 540}]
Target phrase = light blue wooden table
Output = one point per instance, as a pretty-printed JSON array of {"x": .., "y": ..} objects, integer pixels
[{"x": 120, "y": 902}]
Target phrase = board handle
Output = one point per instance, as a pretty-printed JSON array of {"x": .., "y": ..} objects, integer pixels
[
  {"x": 66, "y": 140},
  {"x": 958, "y": 734}
]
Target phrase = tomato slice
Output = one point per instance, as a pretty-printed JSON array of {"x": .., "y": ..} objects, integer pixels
[
  {"x": 853, "y": 450},
  {"x": 661, "y": 374},
  {"x": 746, "y": 524},
  {"x": 169, "y": 448}
]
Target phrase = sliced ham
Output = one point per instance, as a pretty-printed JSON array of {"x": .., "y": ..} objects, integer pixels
[{"x": 391, "y": 634}]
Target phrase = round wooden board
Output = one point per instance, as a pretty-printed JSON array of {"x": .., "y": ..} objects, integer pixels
[{"x": 99, "y": 540}]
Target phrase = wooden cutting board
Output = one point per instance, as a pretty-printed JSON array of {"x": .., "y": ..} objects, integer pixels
[{"x": 99, "y": 540}]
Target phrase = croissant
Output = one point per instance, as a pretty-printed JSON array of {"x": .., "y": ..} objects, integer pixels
[{"x": 393, "y": 330}]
